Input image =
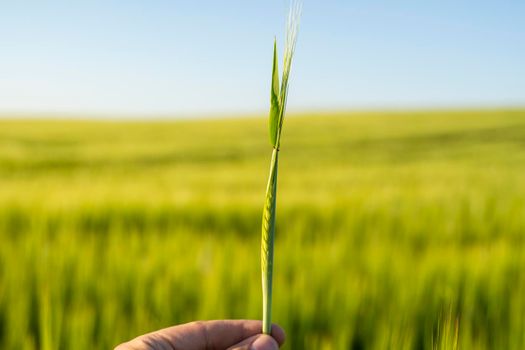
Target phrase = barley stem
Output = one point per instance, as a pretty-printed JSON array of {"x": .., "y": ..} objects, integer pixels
[{"x": 268, "y": 235}]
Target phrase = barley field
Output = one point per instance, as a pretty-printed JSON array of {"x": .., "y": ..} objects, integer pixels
[{"x": 395, "y": 230}]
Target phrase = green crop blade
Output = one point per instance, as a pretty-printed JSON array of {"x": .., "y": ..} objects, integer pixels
[{"x": 274, "y": 99}]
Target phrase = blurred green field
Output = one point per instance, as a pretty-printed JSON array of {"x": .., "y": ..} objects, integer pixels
[{"x": 394, "y": 230}]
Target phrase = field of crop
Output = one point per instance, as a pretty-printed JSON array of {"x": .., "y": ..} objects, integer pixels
[{"x": 394, "y": 230}]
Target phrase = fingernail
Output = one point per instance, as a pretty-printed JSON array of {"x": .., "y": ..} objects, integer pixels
[{"x": 264, "y": 342}]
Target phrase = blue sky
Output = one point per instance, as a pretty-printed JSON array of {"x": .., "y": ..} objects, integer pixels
[{"x": 214, "y": 57}]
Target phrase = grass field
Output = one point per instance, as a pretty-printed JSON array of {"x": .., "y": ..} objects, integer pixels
[{"x": 394, "y": 230}]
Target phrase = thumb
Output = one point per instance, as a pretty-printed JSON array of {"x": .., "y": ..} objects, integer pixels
[{"x": 257, "y": 342}]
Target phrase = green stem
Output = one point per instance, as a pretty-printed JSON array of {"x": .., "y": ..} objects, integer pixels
[{"x": 268, "y": 235}]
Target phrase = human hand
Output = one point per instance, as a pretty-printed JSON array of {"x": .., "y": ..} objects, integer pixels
[{"x": 208, "y": 335}]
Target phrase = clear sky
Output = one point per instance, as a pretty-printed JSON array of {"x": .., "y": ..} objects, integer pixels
[{"x": 201, "y": 57}]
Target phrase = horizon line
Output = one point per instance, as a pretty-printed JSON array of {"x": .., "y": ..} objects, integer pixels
[{"x": 115, "y": 116}]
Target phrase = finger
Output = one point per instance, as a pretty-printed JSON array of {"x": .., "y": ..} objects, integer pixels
[
  {"x": 202, "y": 335},
  {"x": 257, "y": 342},
  {"x": 224, "y": 333}
]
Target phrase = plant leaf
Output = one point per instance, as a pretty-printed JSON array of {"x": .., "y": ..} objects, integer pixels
[{"x": 274, "y": 99}]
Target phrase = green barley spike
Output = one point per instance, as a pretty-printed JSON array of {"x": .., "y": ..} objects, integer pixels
[{"x": 278, "y": 98}]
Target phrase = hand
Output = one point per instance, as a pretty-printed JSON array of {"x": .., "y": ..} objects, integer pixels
[{"x": 208, "y": 335}]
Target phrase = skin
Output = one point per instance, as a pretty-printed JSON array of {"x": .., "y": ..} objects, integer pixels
[{"x": 209, "y": 335}]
